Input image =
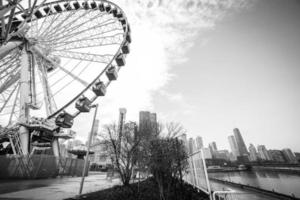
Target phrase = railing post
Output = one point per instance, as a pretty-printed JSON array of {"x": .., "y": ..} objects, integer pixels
[{"x": 206, "y": 175}]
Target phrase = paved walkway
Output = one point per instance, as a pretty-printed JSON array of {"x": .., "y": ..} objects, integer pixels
[{"x": 53, "y": 189}]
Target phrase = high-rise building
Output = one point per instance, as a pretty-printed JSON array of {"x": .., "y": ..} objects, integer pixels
[
  {"x": 185, "y": 142},
  {"x": 153, "y": 121},
  {"x": 213, "y": 146},
  {"x": 240, "y": 142},
  {"x": 192, "y": 146},
  {"x": 276, "y": 155},
  {"x": 233, "y": 146},
  {"x": 297, "y": 154},
  {"x": 222, "y": 154},
  {"x": 207, "y": 154},
  {"x": 289, "y": 155},
  {"x": 213, "y": 149},
  {"x": 199, "y": 142},
  {"x": 263, "y": 152},
  {"x": 147, "y": 124},
  {"x": 253, "y": 153}
]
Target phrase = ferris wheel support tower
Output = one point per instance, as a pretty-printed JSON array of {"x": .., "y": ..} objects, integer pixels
[{"x": 24, "y": 100}]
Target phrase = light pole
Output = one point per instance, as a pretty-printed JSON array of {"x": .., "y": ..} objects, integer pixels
[{"x": 88, "y": 148}]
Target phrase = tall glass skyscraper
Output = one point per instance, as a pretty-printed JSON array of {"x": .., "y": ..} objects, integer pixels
[
  {"x": 233, "y": 146},
  {"x": 240, "y": 142}
]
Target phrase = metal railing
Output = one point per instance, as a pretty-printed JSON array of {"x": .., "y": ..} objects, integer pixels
[
  {"x": 197, "y": 176},
  {"x": 231, "y": 195}
]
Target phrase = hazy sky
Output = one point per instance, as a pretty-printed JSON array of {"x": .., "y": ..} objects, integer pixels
[{"x": 213, "y": 66}]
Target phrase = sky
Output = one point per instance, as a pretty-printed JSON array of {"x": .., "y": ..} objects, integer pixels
[{"x": 212, "y": 66}]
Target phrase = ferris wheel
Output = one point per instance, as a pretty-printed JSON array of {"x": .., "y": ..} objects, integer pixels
[{"x": 56, "y": 59}]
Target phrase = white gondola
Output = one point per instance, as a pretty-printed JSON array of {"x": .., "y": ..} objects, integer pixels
[
  {"x": 83, "y": 104},
  {"x": 99, "y": 88},
  {"x": 101, "y": 7},
  {"x": 120, "y": 60},
  {"x": 125, "y": 48},
  {"x": 64, "y": 120},
  {"x": 108, "y": 8},
  {"x": 112, "y": 73}
]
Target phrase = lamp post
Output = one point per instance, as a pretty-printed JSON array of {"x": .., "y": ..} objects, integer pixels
[{"x": 88, "y": 149}]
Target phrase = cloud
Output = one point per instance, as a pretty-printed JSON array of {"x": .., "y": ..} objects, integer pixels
[{"x": 162, "y": 32}]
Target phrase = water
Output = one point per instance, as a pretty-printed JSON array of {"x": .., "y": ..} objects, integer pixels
[{"x": 280, "y": 182}]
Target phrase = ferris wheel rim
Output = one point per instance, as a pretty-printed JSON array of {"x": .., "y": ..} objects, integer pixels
[{"x": 109, "y": 64}]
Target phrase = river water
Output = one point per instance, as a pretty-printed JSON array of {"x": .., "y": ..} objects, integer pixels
[{"x": 280, "y": 182}]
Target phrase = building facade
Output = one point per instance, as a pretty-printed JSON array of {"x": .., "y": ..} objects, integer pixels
[
  {"x": 289, "y": 155},
  {"x": 222, "y": 154},
  {"x": 233, "y": 146},
  {"x": 263, "y": 153},
  {"x": 147, "y": 124},
  {"x": 192, "y": 146},
  {"x": 240, "y": 142},
  {"x": 253, "y": 153},
  {"x": 277, "y": 155},
  {"x": 199, "y": 142},
  {"x": 207, "y": 154}
]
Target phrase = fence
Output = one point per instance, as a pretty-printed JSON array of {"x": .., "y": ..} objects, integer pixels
[
  {"x": 39, "y": 166},
  {"x": 197, "y": 173},
  {"x": 231, "y": 195},
  {"x": 197, "y": 176}
]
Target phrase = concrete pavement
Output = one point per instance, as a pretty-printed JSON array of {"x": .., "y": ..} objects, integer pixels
[{"x": 53, "y": 189}]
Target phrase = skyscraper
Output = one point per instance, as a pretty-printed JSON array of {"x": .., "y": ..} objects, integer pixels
[
  {"x": 253, "y": 153},
  {"x": 147, "y": 124},
  {"x": 213, "y": 149},
  {"x": 192, "y": 146},
  {"x": 276, "y": 155},
  {"x": 263, "y": 152},
  {"x": 222, "y": 154},
  {"x": 207, "y": 154},
  {"x": 233, "y": 146},
  {"x": 199, "y": 142},
  {"x": 185, "y": 142},
  {"x": 240, "y": 142},
  {"x": 289, "y": 155}
]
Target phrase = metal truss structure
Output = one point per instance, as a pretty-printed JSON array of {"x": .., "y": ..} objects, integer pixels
[{"x": 56, "y": 58}]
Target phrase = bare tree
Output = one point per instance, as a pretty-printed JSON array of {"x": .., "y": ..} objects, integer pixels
[
  {"x": 174, "y": 129},
  {"x": 168, "y": 158},
  {"x": 122, "y": 147}
]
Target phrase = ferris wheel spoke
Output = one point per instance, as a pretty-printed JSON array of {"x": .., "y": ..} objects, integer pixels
[
  {"x": 89, "y": 42},
  {"x": 43, "y": 23},
  {"x": 10, "y": 19},
  {"x": 8, "y": 99},
  {"x": 9, "y": 82},
  {"x": 85, "y": 56},
  {"x": 14, "y": 106},
  {"x": 71, "y": 81},
  {"x": 72, "y": 24},
  {"x": 59, "y": 24},
  {"x": 60, "y": 79},
  {"x": 7, "y": 61},
  {"x": 84, "y": 83},
  {"x": 69, "y": 31},
  {"x": 6, "y": 76},
  {"x": 94, "y": 31},
  {"x": 5, "y": 68}
]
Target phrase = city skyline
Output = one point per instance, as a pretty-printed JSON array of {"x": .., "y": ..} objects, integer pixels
[{"x": 213, "y": 145}]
